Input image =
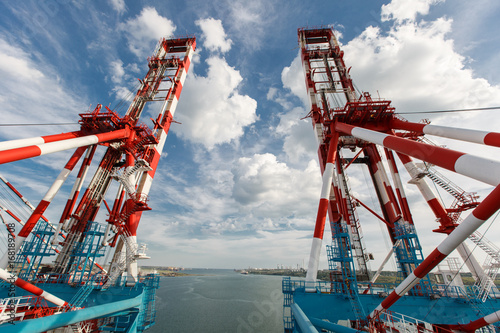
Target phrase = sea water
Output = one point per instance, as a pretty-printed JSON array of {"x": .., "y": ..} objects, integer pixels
[{"x": 219, "y": 301}]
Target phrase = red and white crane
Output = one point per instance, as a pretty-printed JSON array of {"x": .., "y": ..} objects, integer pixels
[
  {"x": 350, "y": 123},
  {"x": 131, "y": 157}
]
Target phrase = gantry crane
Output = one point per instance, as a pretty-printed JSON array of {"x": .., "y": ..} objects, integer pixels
[
  {"x": 83, "y": 293},
  {"x": 352, "y": 127}
]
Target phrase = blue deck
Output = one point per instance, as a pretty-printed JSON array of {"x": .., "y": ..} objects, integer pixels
[
  {"x": 129, "y": 309},
  {"x": 441, "y": 310}
]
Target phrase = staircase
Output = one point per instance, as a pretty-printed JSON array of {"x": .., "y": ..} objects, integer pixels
[
  {"x": 485, "y": 284},
  {"x": 463, "y": 200},
  {"x": 341, "y": 252},
  {"x": 82, "y": 294},
  {"x": 120, "y": 263},
  {"x": 140, "y": 166},
  {"x": 486, "y": 245}
]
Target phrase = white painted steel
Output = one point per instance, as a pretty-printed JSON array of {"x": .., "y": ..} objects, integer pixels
[
  {"x": 21, "y": 143},
  {"x": 462, "y": 134},
  {"x": 479, "y": 168},
  {"x": 327, "y": 181},
  {"x": 312, "y": 268},
  {"x": 370, "y": 136},
  {"x": 380, "y": 184},
  {"x": 407, "y": 284},
  {"x": 56, "y": 146},
  {"x": 54, "y": 299},
  {"x": 492, "y": 317},
  {"x": 464, "y": 229}
]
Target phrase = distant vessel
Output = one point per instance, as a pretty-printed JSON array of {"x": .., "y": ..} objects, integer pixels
[
  {"x": 77, "y": 291},
  {"x": 244, "y": 272},
  {"x": 356, "y": 131}
]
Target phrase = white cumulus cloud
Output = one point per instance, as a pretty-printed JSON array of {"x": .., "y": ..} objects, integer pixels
[
  {"x": 213, "y": 111},
  {"x": 401, "y": 10},
  {"x": 117, "y": 71},
  {"x": 143, "y": 31},
  {"x": 214, "y": 36},
  {"x": 293, "y": 79},
  {"x": 31, "y": 92},
  {"x": 416, "y": 66},
  {"x": 269, "y": 188},
  {"x": 118, "y": 5},
  {"x": 248, "y": 19},
  {"x": 25, "y": 80},
  {"x": 299, "y": 141}
]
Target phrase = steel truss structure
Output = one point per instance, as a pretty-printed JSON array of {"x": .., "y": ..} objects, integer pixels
[
  {"x": 352, "y": 127},
  {"x": 85, "y": 295}
]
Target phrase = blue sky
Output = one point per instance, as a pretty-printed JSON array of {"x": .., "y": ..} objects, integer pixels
[{"x": 238, "y": 184}]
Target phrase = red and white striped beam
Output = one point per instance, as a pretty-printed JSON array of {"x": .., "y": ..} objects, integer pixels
[
  {"x": 131, "y": 223},
  {"x": 13, "y": 279},
  {"x": 75, "y": 191},
  {"x": 25, "y": 202},
  {"x": 10, "y": 250},
  {"x": 324, "y": 201},
  {"x": 21, "y": 196},
  {"x": 481, "y": 322},
  {"x": 168, "y": 111},
  {"x": 9, "y": 229},
  {"x": 113, "y": 215},
  {"x": 383, "y": 185},
  {"x": 14, "y": 216},
  {"x": 441, "y": 214},
  {"x": 475, "y": 136},
  {"x": 17, "y": 154},
  {"x": 145, "y": 180},
  {"x": 51, "y": 193},
  {"x": 80, "y": 178},
  {"x": 476, "y": 218},
  {"x": 39, "y": 140},
  {"x": 434, "y": 203},
  {"x": 335, "y": 208},
  {"x": 311, "y": 91},
  {"x": 42, "y": 206},
  {"x": 482, "y": 169},
  {"x": 400, "y": 192},
  {"x": 340, "y": 192}
]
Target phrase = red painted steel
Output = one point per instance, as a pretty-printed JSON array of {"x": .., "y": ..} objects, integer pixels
[
  {"x": 122, "y": 136},
  {"x": 364, "y": 123}
]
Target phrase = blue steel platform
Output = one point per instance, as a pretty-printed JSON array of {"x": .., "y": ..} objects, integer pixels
[{"x": 445, "y": 307}]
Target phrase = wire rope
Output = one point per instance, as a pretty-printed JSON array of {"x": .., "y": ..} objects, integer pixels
[
  {"x": 118, "y": 106},
  {"x": 3, "y": 234},
  {"x": 127, "y": 98},
  {"x": 17, "y": 206},
  {"x": 38, "y": 124},
  {"x": 453, "y": 110}
]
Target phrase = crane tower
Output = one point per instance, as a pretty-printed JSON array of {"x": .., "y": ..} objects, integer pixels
[
  {"x": 353, "y": 128},
  {"x": 75, "y": 290}
]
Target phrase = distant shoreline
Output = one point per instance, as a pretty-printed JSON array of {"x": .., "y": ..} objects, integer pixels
[
  {"x": 324, "y": 275},
  {"x": 166, "y": 271}
]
